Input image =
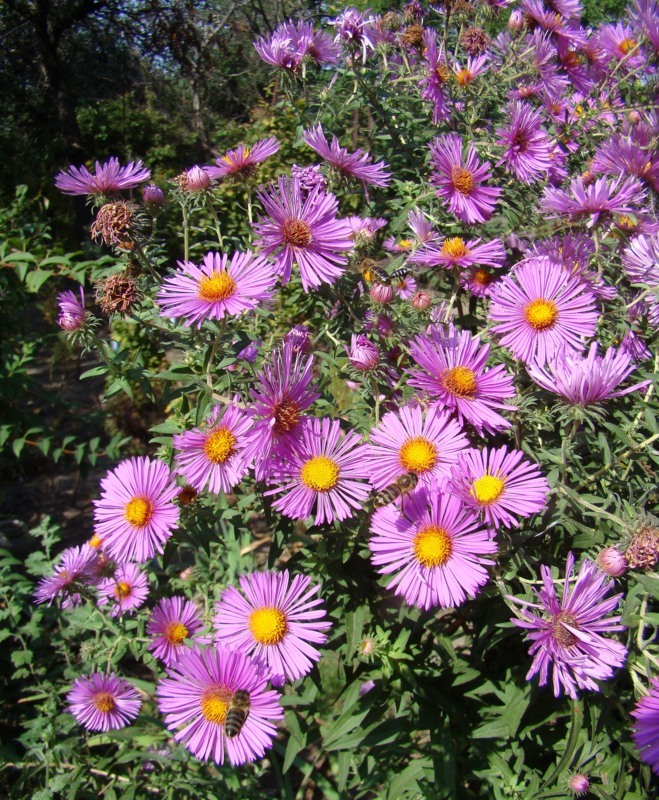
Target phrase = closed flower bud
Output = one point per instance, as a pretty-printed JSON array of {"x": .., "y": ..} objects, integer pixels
[
  {"x": 381, "y": 294},
  {"x": 153, "y": 195},
  {"x": 72, "y": 311},
  {"x": 196, "y": 179},
  {"x": 363, "y": 354},
  {"x": 421, "y": 300},
  {"x": 382, "y": 323},
  {"x": 516, "y": 21},
  {"x": 299, "y": 338},
  {"x": 612, "y": 562},
  {"x": 634, "y": 117},
  {"x": 579, "y": 784}
]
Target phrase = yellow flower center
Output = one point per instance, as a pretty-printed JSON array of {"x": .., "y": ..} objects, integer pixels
[
  {"x": 455, "y": 247},
  {"x": 464, "y": 77},
  {"x": 626, "y": 45},
  {"x": 215, "y": 287},
  {"x": 138, "y": 512},
  {"x": 626, "y": 222},
  {"x": 297, "y": 232},
  {"x": 442, "y": 73},
  {"x": 214, "y": 704},
  {"x": 104, "y": 702},
  {"x": 320, "y": 474},
  {"x": 122, "y": 590},
  {"x": 541, "y": 314},
  {"x": 286, "y": 415},
  {"x": 95, "y": 541},
  {"x": 405, "y": 244},
  {"x": 487, "y": 489},
  {"x": 268, "y": 625},
  {"x": 462, "y": 180},
  {"x": 220, "y": 445},
  {"x": 418, "y": 455},
  {"x": 560, "y": 633},
  {"x": 432, "y": 546},
  {"x": 482, "y": 277},
  {"x": 175, "y": 633},
  {"x": 460, "y": 381}
]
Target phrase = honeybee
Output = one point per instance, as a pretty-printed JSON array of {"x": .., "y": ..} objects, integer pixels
[
  {"x": 371, "y": 271},
  {"x": 403, "y": 485},
  {"x": 237, "y": 713},
  {"x": 400, "y": 274}
]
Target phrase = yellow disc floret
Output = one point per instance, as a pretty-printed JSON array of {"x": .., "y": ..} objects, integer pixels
[
  {"x": 175, "y": 633},
  {"x": 460, "y": 381},
  {"x": 220, "y": 445},
  {"x": 320, "y": 474},
  {"x": 487, "y": 489},
  {"x": 541, "y": 314},
  {"x": 268, "y": 625},
  {"x": 216, "y": 287},
  {"x": 432, "y": 546},
  {"x": 214, "y": 704},
  {"x": 418, "y": 455},
  {"x": 138, "y": 511},
  {"x": 104, "y": 702}
]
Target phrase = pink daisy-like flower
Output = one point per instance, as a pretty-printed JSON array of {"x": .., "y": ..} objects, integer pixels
[
  {"x": 584, "y": 380},
  {"x": 355, "y": 30},
  {"x": 72, "y": 310},
  {"x": 567, "y": 636},
  {"x": 110, "y": 177},
  {"x": 363, "y": 355},
  {"x": 437, "y": 76},
  {"x": 125, "y": 591},
  {"x": 174, "y": 619},
  {"x": 645, "y": 16},
  {"x": 217, "y": 288},
  {"x": 435, "y": 547},
  {"x": 459, "y": 179},
  {"x": 243, "y": 161},
  {"x": 465, "y": 76},
  {"x": 453, "y": 374},
  {"x": 136, "y": 513},
  {"x": 214, "y": 458},
  {"x": 405, "y": 287},
  {"x": 527, "y": 148},
  {"x": 322, "y": 471},
  {"x": 641, "y": 260},
  {"x": 306, "y": 232},
  {"x": 103, "y": 702},
  {"x": 455, "y": 252},
  {"x": 353, "y": 165},
  {"x": 500, "y": 484},
  {"x": 541, "y": 310},
  {"x": 198, "y": 693},
  {"x": 282, "y": 391},
  {"x": 622, "y": 156},
  {"x": 619, "y": 42},
  {"x": 408, "y": 440},
  {"x": 646, "y": 727},
  {"x": 277, "y": 621},
  {"x": 602, "y": 197},
  {"x": 74, "y": 571},
  {"x": 479, "y": 281}
]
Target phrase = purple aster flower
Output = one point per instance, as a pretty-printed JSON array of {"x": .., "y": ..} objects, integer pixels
[
  {"x": 355, "y": 31},
  {"x": 278, "y": 50},
  {"x": 309, "y": 178},
  {"x": 125, "y": 591},
  {"x": 153, "y": 195},
  {"x": 479, "y": 281},
  {"x": 352, "y": 165},
  {"x": 459, "y": 180},
  {"x": 214, "y": 457},
  {"x": 110, "y": 177},
  {"x": 277, "y": 621},
  {"x": 572, "y": 251},
  {"x": 453, "y": 374},
  {"x": 501, "y": 485},
  {"x": 645, "y": 16},
  {"x": 641, "y": 260},
  {"x": 312, "y": 45},
  {"x": 527, "y": 148},
  {"x": 405, "y": 287},
  {"x": 136, "y": 513},
  {"x": 197, "y": 179},
  {"x": 243, "y": 161},
  {"x": 283, "y": 390},
  {"x": 620, "y": 156},
  {"x": 567, "y": 636},
  {"x": 408, "y": 440},
  {"x": 299, "y": 339},
  {"x": 584, "y": 380},
  {"x": 464, "y": 76},
  {"x": 198, "y": 693},
  {"x": 620, "y": 196},
  {"x": 646, "y": 727},
  {"x": 323, "y": 470},
  {"x": 437, "y": 76},
  {"x": 619, "y": 42},
  {"x": 103, "y": 702},
  {"x": 435, "y": 548},
  {"x": 306, "y": 232},
  {"x": 455, "y": 252},
  {"x": 542, "y": 309},
  {"x": 564, "y": 32},
  {"x": 72, "y": 310},
  {"x": 74, "y": 571},
  {"x": 217, "y": 288},
  {"x": 363, "y": 355},
  {"x": 174, "y": 619}
]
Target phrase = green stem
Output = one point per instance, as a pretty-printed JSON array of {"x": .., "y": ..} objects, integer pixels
[
  {"x": 218, "y": 229},
  {"x": 575, "y": 729},
  {"x": 186, "y": 233}
]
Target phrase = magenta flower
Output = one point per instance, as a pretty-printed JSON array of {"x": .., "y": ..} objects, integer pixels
[
  {"x": 479, "y": 281},
  {"x": 293, "y": 44},
  {"x": 645, "y": 16},
  {"x": 355, "y": 30},
  {"x": 567, "y": 636},
  {"x": 459, "y": 179},
  {"x": 453, "y": 374},
  {"x": 72, "y": 310},
  {"x": 74, "y": 572},
  {"x": 541, "y": 310},
  {"x": 620, "y": 156},
  {"x": 214, "y": 457},
  {"x": 174, "y": 619},
  {"x": 363, "y": 355},
  {"x": 103, "y": 702},
  {"x": 641, "y": 260},
  {"x": 620, "y": 196},
  {"x": 136, "y": 513},
  {"x": 283, "y": 390},
  {"x": 437, "y": 76},
  {"x": 410, "y": 441},
  {"x": 352, "y": 165},
  {"x": 584, "y": 380},
  {"x": 243, "y": 161},
  {"x": 110, "y": 177},
  {"x": 646, "y": 727},
  {"x": 455, "y": 252},
  {"x": 527, "y": 152},
  {"x": 125, "y": 591},
  {"x": 435, "y": 548},
  {"x": 500, "y": 485},
  {"x": 306, "y": 232},
  {"x": 464, "y": 76},
  {"x": 324, "y": 471},
  {"x": 277, "y": 621},
  {"x": 217, "y": 288},
  {"x": 278, "y": 51},
  {"x": 197, "y": 695},
  {"x": 619, "y": 42}
]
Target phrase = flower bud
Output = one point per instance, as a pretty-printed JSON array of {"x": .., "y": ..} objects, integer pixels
[
  {"x": 634, "y": 117},
  {"x": 299, "y": 338},
  {"x": 153, "y": 195},
  {"x": 363, "y": 354},
  {"x": 72, "y": 311},
  {"x": 612, "y": 562},
  {"x": 381, "y": 294},
  {"x": 382, "y": 323},
  {"x": 516, "y": 21},
  {"x": 196, "y": 180},
  {"x": 421, "y": 300},
  {"x": 579, "y": 784}
]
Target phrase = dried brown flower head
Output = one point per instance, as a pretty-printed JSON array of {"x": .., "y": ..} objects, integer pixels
[
  {"x": 474, "y": 41},
  {"x": 117, "y": 294},
  {"x": 114, "y": 223}
]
